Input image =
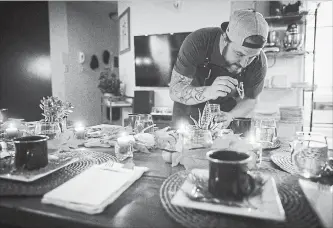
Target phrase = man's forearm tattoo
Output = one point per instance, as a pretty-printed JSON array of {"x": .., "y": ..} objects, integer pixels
[{"x": 184, "y": 92}]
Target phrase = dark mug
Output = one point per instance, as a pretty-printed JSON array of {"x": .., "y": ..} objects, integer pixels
[
  {"x": 241, "y": 125},
  {"x": 31, "y": 152},
  {"x": 228, "y": 174}
]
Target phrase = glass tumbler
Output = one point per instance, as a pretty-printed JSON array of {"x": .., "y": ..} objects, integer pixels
[
  {"x": 144, "y": 121},
  {"x": 265, "y": 131},
  {"x": 309, "y": 154}
]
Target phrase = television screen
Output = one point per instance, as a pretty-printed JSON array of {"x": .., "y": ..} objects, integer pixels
[{"x": 155, "y": 56}]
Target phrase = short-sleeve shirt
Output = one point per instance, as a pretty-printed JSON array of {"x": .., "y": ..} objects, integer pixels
[{"x": 192, "y": 55}]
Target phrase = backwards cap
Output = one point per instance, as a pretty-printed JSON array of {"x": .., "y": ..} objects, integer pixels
[{"x": 247, "y": 28}]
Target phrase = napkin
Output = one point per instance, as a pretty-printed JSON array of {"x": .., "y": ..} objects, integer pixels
[
  {"x": 320, "y": 200},
  {"x": 95, "y": 188}
]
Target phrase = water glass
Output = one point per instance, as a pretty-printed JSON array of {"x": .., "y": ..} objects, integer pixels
[
  {"x": 131, "y": 121},
  {"x": 265, "y": 131},
  {"x": 309, "y": 154},
  {"x": 214, "y": 109},
  {"x": 143, "y": 121}
]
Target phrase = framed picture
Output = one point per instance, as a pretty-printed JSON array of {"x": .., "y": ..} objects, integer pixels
[{"x": 124, "y": 32}]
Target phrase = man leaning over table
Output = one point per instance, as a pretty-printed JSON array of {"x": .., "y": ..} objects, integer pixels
[{"x": 212, "y": 63}]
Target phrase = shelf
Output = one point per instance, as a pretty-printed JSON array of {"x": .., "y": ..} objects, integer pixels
[
  {"x": 307, "y": 89},
  {"x": 287, "y": 53},
  {"x": 288, "y": 17},
  {"x": 278, "y": 89}
]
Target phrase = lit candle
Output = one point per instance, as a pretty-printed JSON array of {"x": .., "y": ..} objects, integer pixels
[
  {"x": 11, "y": 131},
  {"x": 79, "y": 131},
  {"x": 125, "y": 140}
]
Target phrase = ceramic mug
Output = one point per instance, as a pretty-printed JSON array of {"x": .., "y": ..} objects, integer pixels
[
  {"x": 241, "y": 125},
  {"x": 31, "y": 152},
  {"x": 228, "y": 174}
]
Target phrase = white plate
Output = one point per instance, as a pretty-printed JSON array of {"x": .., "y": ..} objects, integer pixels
[
  {"x": 320, "y": 200},
  {"x": 268, "y": 203}
]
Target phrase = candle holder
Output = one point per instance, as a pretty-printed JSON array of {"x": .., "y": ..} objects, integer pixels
[
  {"x": 80, "y": 133},
  {"x": 11, "y": 132},
  {"x": 124, "y": 147},
  {"x": 123, "y": 152}
]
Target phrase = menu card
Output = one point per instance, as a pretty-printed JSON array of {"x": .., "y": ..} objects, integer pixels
[{"x": 94, "y": 189}]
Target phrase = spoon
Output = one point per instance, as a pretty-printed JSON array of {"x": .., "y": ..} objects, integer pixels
[{"x": 196, "y": 195}]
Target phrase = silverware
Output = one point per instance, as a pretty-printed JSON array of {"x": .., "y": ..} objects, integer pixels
[
  {"x": 197, "y": 195},
  {"x": 325, "y": 188}
]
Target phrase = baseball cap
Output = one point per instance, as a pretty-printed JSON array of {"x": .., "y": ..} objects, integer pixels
[{"x": 247, "y": 28}]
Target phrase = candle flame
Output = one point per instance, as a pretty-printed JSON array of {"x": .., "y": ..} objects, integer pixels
[
  {"x": 11, "y": 125},
  {"x": 123, "y": 134},
  {"x": 79, "y": 126}
]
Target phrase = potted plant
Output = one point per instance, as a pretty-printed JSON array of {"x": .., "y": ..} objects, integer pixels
[
  {"x": 109, "y": 84},
  {"x": 55, "y": 112}
]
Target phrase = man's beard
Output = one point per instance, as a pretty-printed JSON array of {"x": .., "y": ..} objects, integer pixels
[{"x": 233, "y": 68}]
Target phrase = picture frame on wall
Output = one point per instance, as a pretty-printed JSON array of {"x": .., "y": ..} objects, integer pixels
[{"x": 124, "y": 32}]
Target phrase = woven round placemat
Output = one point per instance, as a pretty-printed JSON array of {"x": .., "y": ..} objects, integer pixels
[
  {"x": 298, "y": 211},
  {"x": 41, "y": 186},
  {"x": 283, "y": 160}
]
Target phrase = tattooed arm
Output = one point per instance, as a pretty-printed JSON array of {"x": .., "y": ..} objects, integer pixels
[{"x": 183, "y": 92}]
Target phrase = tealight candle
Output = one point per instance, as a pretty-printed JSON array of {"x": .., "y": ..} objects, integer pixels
[
  {"x": 80, "y": 131},
  {"x": 11, "y": 131},
  {"x": 123, "y": 141},
  {"x": 124, "y": 147}
]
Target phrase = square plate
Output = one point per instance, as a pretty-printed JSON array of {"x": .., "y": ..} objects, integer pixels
[
  {"x": 321, "y": 201},
  {"x": 56, "y": 162},
  {"x": 268, "y": 203}
]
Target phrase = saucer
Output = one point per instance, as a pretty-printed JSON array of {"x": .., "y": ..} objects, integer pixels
[
  {"x": 55, "y": 163},
  {"x": 266, "y": 205}
]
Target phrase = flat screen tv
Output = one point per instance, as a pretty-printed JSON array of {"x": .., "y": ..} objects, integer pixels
[{"x": 155, "y": 56}]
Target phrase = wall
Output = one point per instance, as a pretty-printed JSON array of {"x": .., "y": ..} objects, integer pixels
[
  {"x": 148, "y": 17},
  {"x": 80, "y": 27}
]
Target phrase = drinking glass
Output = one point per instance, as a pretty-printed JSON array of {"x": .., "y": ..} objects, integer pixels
[
  {"x": 131, "y": 121},
  {"x": 309, "y": 154},
  {"x": 265, "y": 131},
  {"x": 143, "y": 121},
  {"x": 214, "y": 109}
]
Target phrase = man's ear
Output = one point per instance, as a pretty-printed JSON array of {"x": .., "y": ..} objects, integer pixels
[{"x": 225, "y": 38}]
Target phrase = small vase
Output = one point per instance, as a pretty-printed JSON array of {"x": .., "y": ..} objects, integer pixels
[{"x": 50, "y": 129}]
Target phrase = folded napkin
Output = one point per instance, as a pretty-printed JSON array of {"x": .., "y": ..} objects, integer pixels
[
  {"x": 321, "y": 201},
  {"x": 95, "y": 188}
]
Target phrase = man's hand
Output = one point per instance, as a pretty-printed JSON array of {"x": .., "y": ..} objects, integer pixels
[
  {"x": 223, "y": 119},
  {"x": 221, "y": 87}
]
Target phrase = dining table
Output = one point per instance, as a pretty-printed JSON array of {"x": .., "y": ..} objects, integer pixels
[{"x": 139, "y": 206}]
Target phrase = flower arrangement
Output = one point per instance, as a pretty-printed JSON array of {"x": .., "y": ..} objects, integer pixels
[
  {"x": 54, "y": 109},
  {"x": 109, "y": 82}
]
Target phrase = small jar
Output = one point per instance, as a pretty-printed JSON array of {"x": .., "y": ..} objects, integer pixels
[{"x": 197, "y": 138}]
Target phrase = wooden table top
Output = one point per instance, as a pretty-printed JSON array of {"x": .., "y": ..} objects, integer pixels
[{"x": 139, "y": 206}]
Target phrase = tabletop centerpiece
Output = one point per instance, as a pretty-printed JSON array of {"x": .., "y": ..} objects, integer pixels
[{"x": 55, "y": 112}]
